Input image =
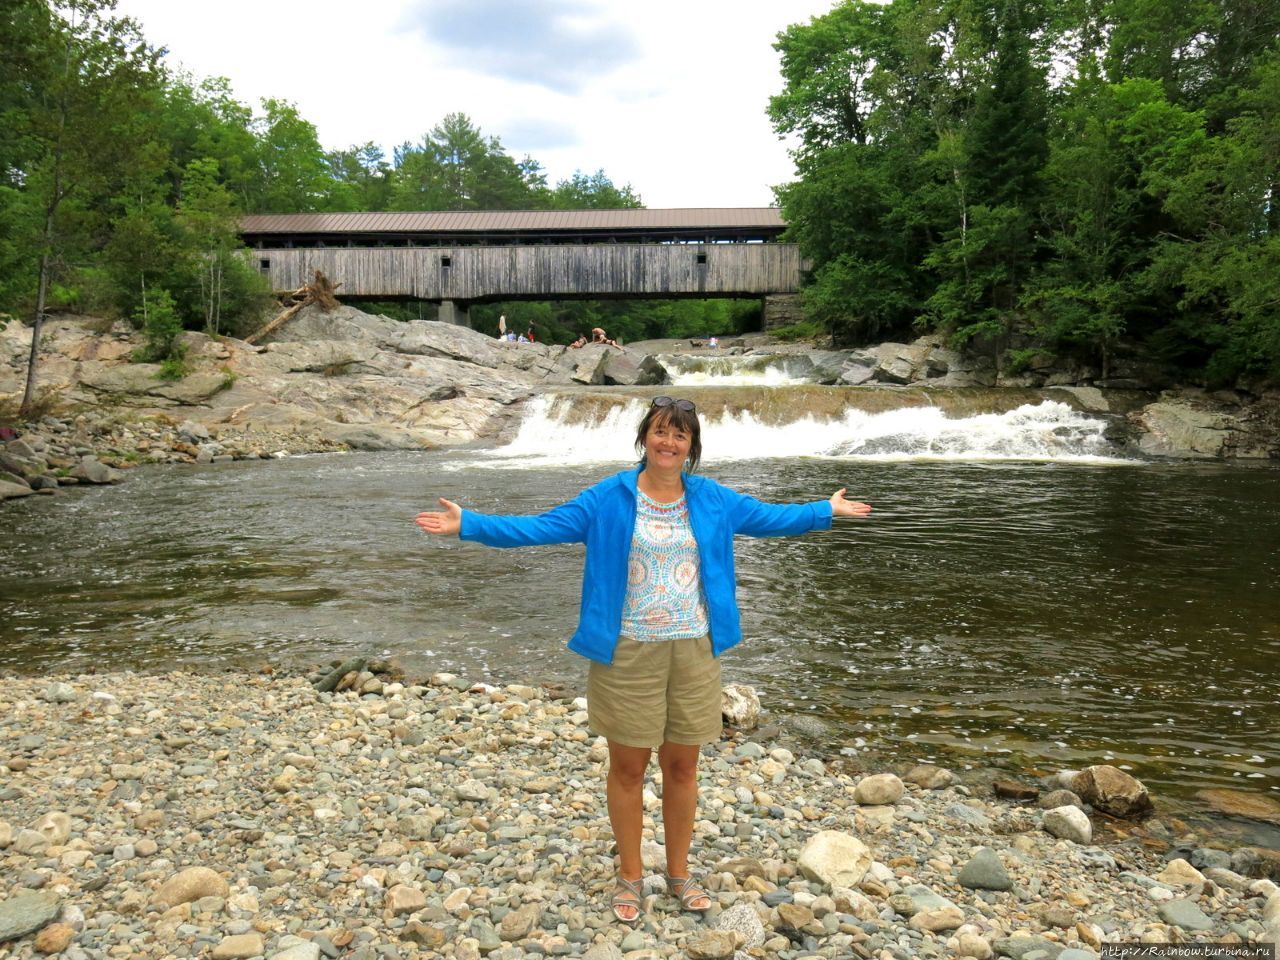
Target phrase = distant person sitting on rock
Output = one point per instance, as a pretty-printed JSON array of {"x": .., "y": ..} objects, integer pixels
[
  {"x": 658, "y": 608},
  {"x": 713, "y": 342},
  {"x": 529, "y": 335},
  {"x": 522, "y": 339},
  {"x": 579, "y": 343},
  {"x": 599, "y": 336}
]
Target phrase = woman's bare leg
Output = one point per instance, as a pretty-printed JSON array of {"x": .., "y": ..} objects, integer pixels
[
  {"x": 679, "y": 763},
  {"x": 624, "y": 791}
]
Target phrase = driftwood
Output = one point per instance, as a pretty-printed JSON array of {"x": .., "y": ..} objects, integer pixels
[{"x": 319, "y": 291}]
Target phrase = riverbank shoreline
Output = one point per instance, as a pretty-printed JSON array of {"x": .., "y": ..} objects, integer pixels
[
  {"x": 346, "y": 380},
  {"x": 242, "y": 814}
]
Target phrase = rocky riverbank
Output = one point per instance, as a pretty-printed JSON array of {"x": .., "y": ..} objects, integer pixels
[{"x": 244, "y": 816}]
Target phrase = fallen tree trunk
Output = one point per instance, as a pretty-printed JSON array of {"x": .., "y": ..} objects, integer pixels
[{"x": 319, "y": 291}]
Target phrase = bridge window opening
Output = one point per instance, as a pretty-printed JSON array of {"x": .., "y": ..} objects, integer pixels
[
  {"x": 700, "y": 258},
  {"x": 264, "y": 265},
  {"x": 446, "y": 262}
]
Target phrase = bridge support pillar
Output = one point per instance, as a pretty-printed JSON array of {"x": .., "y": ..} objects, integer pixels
[
  {"x": 457, "y": 312},
  {"x": 782, "y": 310}
]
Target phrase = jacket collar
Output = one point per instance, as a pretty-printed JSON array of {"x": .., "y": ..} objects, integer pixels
[{"x": 630, "y": 479}]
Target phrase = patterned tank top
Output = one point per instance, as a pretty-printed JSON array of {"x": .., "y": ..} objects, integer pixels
[{"x": 664, "y": 589}]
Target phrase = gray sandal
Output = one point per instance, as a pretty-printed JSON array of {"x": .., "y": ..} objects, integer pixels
[
  {"x": 627, "y": 893},
  {"x": 687, "y": 890}
]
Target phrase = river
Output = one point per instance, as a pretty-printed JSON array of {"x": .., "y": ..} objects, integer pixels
[{"x": 1023, "y": 596}]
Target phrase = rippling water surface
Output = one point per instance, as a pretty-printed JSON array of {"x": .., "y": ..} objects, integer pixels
[{"x": 1039, "y": 614}]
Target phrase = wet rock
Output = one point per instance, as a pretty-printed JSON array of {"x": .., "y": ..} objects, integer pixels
[
  {"x": 1112, "y": 791},
  {"x": 90, "y": 470},
  {"x": 1237, "y": 803},
  {"x": 930, "y": 777},
  {"x": 1013, "y": 790},
  {"x": 11, "y": 488}
]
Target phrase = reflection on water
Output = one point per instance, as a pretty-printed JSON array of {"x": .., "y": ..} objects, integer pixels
[{"x": 1039, "y": 614}]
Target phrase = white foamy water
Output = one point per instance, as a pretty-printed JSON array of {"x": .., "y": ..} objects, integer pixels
[
  {"x": 730, "y": 371},
  {"x": 1044, "y": 431}
]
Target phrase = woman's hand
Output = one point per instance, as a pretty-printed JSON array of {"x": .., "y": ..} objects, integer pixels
[
  {"x": 840, "y": 507},
  {"x": 447, "y": 523}
]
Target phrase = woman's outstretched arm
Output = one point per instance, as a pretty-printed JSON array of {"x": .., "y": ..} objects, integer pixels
[{"x": 446, "y": 523}]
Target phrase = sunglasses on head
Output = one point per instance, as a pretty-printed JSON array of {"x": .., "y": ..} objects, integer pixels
[{"x": 679, "y": 404}]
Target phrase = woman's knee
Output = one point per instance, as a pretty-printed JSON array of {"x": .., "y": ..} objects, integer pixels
[
  {"x": 679, "y": 762},
  {"x": 627, "y": 765}
]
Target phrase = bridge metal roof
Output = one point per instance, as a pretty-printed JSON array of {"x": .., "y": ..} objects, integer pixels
[
  {"x": 504, "y": 227},
  {"x": 517, "y": 221}
]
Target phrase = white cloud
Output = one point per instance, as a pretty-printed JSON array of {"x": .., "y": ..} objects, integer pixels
[{"x": 666, "y": 95}]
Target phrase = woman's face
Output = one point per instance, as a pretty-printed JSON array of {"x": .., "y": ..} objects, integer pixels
[{"x": 666, "y": 446}]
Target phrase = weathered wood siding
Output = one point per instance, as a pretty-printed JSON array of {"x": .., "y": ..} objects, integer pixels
[{"x": 544, "y": 272}]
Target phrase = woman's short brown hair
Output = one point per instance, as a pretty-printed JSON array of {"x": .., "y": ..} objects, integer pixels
[{"x": 681, "y": 419}]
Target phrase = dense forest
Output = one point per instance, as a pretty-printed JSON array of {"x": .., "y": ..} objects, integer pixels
[
  {"x": 1097, "y": 178},
  {"x": 122, "y": 183},
  {"x": 1094, "y": 179}
]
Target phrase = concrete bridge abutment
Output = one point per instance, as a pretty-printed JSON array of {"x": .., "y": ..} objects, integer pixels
[
  {"x": 782, "y": 310},
  {"x": 457, "y": 312}
]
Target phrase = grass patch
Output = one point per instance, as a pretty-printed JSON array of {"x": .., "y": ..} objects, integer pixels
[
  {"x": 804, "y": 330},
  {"x": 172, "y": 368}
]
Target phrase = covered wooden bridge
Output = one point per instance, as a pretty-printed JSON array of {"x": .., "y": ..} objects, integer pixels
[{"x": 456, "y": 258}]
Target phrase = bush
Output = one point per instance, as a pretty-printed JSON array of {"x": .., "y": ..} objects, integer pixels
[{"x": 161, "y": 326}]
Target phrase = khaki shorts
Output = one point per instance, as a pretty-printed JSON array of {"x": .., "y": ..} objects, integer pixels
[{"x": 656, "y": 691}]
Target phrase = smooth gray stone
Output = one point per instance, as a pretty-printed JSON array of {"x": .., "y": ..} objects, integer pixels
[
  {"x": 26, "y": 913},
  {"x": 985, "y": 872},
  {"x": 1185, "y": 914}
]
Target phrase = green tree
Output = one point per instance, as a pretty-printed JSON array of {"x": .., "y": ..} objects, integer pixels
[
  {"x": 93, "y": 80},
  {"x": 592, "y": 192},
  {"x": 292, "y": 173},
  {"x": 457, "y": 168}
]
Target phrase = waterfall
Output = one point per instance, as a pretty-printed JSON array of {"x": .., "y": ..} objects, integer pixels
[
  {"x": 595, "y": 428},
  {"x": 762, "y": 371}
]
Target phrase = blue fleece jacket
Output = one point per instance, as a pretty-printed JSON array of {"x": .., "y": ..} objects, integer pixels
[{"x": 604, "y": 516}]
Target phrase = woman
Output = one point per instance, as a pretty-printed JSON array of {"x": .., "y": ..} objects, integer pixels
[{"x": 658, "y": 608}]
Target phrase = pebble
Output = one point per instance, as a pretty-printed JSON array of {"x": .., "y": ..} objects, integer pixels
[{"x": 166, "y": 832}]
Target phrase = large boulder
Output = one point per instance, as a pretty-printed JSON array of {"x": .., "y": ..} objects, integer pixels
[
  {"x": 585, "y": 365},
  {"x": 1180, "y": 428},
  {"x": 629, "y": 369},
  {"x": 1112, "y": 791},
  {"x": 12, "y": 489},
  {"x": 90, "y": 470}
]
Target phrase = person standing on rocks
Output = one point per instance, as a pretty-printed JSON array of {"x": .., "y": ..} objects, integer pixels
[{"x": 658, "y": 609}]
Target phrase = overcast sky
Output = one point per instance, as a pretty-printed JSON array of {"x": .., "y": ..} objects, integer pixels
[{"x": 666, "y": 95}]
